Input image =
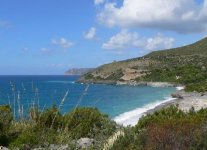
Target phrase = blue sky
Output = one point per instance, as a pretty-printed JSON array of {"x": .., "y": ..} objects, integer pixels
[{"x": 51, "y": 36}]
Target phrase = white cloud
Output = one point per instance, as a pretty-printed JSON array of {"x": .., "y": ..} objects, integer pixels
[
  {"x": 122, "y": 40},
  {"x": 62, "y": 42},
  {"x": 91, "y": 34},
  {"x": 182, "y": 16},
  {"x": 159, "y": 42},
  {"x": 125, "y": 40},
  {"x": 98, "y": 2}
]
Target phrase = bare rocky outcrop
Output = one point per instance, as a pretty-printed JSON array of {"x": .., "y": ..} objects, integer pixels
[
  {"x": 132, "y": 74},
  {"x": 84, "y": 143}
]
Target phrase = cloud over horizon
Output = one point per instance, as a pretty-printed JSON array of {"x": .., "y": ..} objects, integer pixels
[{"x": 181, "y": 16}]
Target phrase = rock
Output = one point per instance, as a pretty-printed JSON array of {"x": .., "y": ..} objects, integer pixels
[
  {"x": 54, "y": 147},
  {"x": 39, "y": 148},
  {"x": 85, "y": 142},
  {"x": 203, "y": 68},
  {"x": 58, "y": 147},
  {"x": 177, "y": 95},
  {"x": 3, "y": 148}
]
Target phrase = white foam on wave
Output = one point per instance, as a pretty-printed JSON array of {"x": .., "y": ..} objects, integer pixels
[
  {"x": 132, "y": 117},
  {"x": 179, "y": 88}
]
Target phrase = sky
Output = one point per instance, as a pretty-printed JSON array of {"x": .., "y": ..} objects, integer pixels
[{"x": 48, "y": 37}]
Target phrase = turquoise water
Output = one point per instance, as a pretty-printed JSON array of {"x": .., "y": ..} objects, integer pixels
[{"x": 49, "y": 90}]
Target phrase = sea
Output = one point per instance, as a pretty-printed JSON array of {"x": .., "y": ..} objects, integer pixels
[{"x": 124, "y": 104}]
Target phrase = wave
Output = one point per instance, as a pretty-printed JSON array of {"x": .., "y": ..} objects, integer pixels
[
  {"x": 63, "y": 82},
  {"x": 132, "y": 117},
  {"x": 179, "y": 88}
]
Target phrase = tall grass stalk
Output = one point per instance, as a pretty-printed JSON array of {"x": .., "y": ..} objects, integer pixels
[
  {"x": 14, "y": 101},
  {"x": 9, "y": 100},
  {"x": 77, "y": 104},
  {"x": 59, "y": 107},
  {"x": 18, "y": 103},
  {"x": 37, "y": 97},
  {"x": 111, "y": 140},
  {"x": 81, "y": 97}
]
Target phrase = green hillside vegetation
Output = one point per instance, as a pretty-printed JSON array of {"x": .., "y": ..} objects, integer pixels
[{"x": 184, "y": 65}]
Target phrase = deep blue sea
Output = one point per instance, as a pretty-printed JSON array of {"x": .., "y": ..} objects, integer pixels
[{"x": 122, "y": 103}]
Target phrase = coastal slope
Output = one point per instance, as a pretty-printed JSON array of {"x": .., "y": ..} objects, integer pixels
[
  {"x": 78, "y": 71},
  {"x": 183, "y": 65}
]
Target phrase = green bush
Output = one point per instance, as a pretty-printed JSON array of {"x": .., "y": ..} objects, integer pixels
[
  {"x": 169, "y": 128},
  {"x": 50, "y": 118},
  {"x": 33, "y": 137},
  {"x": 6, "y": 118},
  {"x": 50, "y": 127},
  {"x": 88, "y": 122}
]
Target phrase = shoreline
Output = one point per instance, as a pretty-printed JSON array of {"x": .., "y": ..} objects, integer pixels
[
  {"x": 131, "y": 118},
  {"x": 136, "y": 114},
  {"x": 184, "y": 100},
  {"x": 131, "y": 83}
]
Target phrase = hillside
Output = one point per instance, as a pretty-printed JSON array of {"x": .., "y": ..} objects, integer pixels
[
  {"x": 78, "y": 71},
  {"x": 184, "y": 65}
]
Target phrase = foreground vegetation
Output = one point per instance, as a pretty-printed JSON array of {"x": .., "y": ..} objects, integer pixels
[
  {"x": 169, "y": 128},
  {"x": 50, "y": 127}
]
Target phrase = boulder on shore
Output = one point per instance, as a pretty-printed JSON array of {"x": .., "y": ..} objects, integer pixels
[{"x": 177, "y": 95}]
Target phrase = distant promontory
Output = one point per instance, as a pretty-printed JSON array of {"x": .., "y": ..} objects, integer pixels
[{"x": 78, "y": 71}]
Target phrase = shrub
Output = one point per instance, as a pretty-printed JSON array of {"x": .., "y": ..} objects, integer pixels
[
  {"x": 33, "y": 137},
  {"x": 50, "y": 127},
  {"x": 88, "y": 122},
  {"x": 50, "y": 118},
  {"x": 171, "y": 128},
  {"x": 6, "y": 118}
]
